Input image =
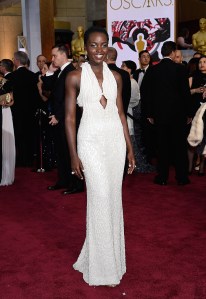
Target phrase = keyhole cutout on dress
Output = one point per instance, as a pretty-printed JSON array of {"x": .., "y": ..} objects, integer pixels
[{"x": 103, "y": 101}]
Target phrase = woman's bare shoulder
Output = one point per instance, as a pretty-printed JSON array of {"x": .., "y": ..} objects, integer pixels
[
  {"x": 74, "y": 76},
  {"x": 117, "y": 76},
  {"x": 75, "y": 73}
]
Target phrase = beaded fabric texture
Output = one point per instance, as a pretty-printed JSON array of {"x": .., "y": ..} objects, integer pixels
[{"x": 102, "y": 150}]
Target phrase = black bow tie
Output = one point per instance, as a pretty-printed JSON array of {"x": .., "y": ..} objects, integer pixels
[{"x": 142, "y": 71}]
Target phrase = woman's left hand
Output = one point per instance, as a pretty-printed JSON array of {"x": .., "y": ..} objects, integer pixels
[{"x": 131, "y": 160}]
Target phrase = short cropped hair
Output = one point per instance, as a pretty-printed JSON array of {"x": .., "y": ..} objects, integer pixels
[
  {"x": 142, "y": 52},
  {"x": 112, "y": 54},
  {"x": 62, "y": 48},
  {"x": 168, "y": 47},
  {"x": 8, "y": 64},
  {"x": 94, "y": 29},
  {"x": 22, "y": 57}
]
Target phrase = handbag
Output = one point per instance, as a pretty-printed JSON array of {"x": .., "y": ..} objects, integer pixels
[{"x": 5, "y": 98}]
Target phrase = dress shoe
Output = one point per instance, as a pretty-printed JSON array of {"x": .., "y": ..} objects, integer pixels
[
  {"x": 201, "y": 174},
  {"x": 55, "y": 187},
  {"x": 159, "y": 181},
  {"x": 73, "y": 191},
  {"x": 183, "y": 182}
]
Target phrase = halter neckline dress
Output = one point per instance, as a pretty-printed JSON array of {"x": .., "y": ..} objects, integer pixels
[{"x": 102, "y": 149}]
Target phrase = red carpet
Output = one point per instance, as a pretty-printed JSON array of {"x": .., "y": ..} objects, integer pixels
[{"x": 41, "y": 234}]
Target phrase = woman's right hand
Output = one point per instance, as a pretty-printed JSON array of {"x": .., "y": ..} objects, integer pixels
[
  {"x": 200, "y": 89},
  {"x": 77, "y": 168}
]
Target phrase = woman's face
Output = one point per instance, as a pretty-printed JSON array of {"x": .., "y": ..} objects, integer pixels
[
  {"x": 44, "y": 69},
  {"x": 97, "y": 47},
  {"x": 202, "y": 64}
]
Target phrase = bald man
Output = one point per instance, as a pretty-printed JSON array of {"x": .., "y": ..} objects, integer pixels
[{"x": 179, "y": 58}]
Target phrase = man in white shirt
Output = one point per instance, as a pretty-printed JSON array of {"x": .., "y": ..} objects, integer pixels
[{"x": 144, "y": 62}]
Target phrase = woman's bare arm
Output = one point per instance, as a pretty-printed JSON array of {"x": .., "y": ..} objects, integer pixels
[
  {"x": 72, "y": 87},
  {"x": 130, "y": 153}
]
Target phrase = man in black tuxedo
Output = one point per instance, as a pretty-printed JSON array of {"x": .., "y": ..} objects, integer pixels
[
  {"x": 144, "y": 63},
  {"x": 57, "y": 119},
  {"x": 168, "y": 106},
  {"x": 25, "y": 93},
  {"x": 147, "y": 133},
  {"x": 6, "y": 68},
  {"x": 126, "y": 83}
]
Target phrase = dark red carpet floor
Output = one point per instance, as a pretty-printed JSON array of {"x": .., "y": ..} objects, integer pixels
[{"x": 42, "y": 232}]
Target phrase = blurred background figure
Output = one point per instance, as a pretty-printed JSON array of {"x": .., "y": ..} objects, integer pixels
[
  {"x": 182, "y": 40},
  {"x": 134, "y": 120},
  {"x": 126, "y": 83},
  {"x": 8, "y": 149},
  {"x": 40, "y": 62},
  {"x": 147, "y": 133},
  {"x": 197, "y": 55},
  {"x": 46, "y": 158},
  {"x": 130, "y": 66},
  {"x": 144, "y": 63},
  {"x": 25, "y": 95},
  {"x": 192, "y": 66},
  {"x": 198, "y": 91},
  {"x": 168, "y": 107},
  {"x": 179, "y": 58}
]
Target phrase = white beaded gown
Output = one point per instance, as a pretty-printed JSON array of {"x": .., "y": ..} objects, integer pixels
[
  {"x": 102, "y": 150},
  {"x": 8, "y": 148}
]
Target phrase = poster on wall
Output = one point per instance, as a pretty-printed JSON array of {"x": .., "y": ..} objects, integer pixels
[{"x": 136, "y": 25}]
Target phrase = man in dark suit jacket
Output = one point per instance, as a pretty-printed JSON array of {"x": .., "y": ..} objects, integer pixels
[
  {"x": 126, "y": 83},
  {"x": 25, "y": 94},
  {"x": 168, "y": 106},
  {"x": 147, "y": 132},
  {"x": 144, "y": 63},
  {"x": 57, "y": 119}
]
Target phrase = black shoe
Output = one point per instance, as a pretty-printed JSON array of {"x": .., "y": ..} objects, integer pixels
[
  {"x": 183, "y": 182},
  {"x": 55, "y": 187},
  {"x": 73, "y": 191},
  {"x": 159, "y": 181},
  {"x": 201, "y": 174}
]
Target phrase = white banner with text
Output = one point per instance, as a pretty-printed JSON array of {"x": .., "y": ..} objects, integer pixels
[{"x": 136, "y": 25}]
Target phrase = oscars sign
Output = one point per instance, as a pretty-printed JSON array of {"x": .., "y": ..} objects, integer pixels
[{"x": 136, "y": 25}]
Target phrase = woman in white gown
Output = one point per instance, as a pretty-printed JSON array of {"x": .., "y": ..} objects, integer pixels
[
  {"x": 8, "y": 147},
  {"x": 100, "y": 158}
]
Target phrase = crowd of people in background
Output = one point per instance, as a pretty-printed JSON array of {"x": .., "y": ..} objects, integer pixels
[{"x": 159, "y": 102}]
